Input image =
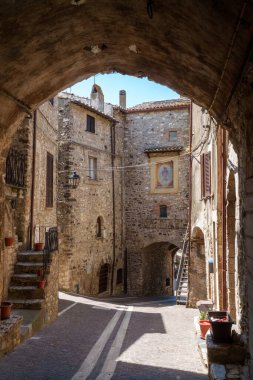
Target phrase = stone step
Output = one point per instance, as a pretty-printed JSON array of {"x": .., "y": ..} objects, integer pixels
[
  {"x": 30, "y": 279},
  {"x": 34, "y": 304},
  {"x": 26, "y": 292},
  {"x": 30, "y": 256},
  {"x": 27, "y": 267}
]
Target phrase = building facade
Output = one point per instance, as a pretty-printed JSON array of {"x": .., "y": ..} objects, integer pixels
[
  {"x": 126, "y": 219},
  {"x": 217, "y": 268}
]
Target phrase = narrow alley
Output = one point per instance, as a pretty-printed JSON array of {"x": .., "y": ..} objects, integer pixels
[{"x": 122, "y": 338}]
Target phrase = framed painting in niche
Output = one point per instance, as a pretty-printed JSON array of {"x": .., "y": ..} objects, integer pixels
[{"x": 164, "y": 174}]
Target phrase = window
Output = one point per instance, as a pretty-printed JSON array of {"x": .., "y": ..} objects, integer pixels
[
  {"x": 90, "y": 124},
  {"x": 167, "y": 281},
  {"x": 99, "y": 227},
  {"x": 163, "y": 212},
  {"x": 103, "y": 278},
  {"x": 205, "y": 161},
  {"x": 119, "y": 276},
  {"x": 92, "y": 167},
  {"x": 173, "y": 136},
  {"x": 49, "y": 180}
]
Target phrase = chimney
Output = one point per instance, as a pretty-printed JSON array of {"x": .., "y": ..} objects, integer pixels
[{"x": 122, "y": 99}]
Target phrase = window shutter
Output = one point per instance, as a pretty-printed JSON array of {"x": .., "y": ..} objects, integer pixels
[
  {"x": 205, "y": 162},
  {"x": 50, "y": 180},
  {"x": 207, "y": 170},
  {"x": 202, "y": 175},
  {"x": 90, "y": 124}
]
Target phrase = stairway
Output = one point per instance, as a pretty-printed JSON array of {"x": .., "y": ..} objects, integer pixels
[
  {"x": 182, "y": 291},
  {"x": 182, "y": 278},
  {"x": 23, "y": 292}
]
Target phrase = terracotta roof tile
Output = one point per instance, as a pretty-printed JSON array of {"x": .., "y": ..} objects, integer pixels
[
  {"x": 161, "y": 104},
  {"x": 168, "y": 148}
]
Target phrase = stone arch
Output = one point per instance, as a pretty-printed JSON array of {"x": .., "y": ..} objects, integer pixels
[
  {"x": 231, "y": 256},
  {"x": 197, "y": 269},
  {"x": 157, "y": 268},
  {"x": 43, "y": 57}
]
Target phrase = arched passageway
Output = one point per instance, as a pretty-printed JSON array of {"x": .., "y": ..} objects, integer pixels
[
  {"x": 197, "y": 270},
  {"x": 157, "y": 268},
  {"x": 231, "y": 256},
  {"x": 65, "y": 41}
]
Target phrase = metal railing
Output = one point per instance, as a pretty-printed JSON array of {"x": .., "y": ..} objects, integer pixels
[
  {"x": 15, "y": 169},
  {"x": 51, "y": 239}
]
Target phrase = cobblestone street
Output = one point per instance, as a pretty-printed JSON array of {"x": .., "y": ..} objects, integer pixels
[{"x": 128, "y": 338}]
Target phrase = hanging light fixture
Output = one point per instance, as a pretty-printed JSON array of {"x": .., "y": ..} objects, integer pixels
[{"x": 73, "y": 180}]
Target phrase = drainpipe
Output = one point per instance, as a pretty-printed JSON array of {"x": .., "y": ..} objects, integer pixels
[
  {"x": 33, "y": 178},
  {"x": 224, "y": 159},
  {"x": 190, "y": 191},
  {"x": 113, "y": 202}
]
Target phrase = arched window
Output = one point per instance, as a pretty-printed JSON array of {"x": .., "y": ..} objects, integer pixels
[
  {"x": 99, "y": 227},
  {"x": 163, "y": 211},
  {"x": 103, "y": 278}
]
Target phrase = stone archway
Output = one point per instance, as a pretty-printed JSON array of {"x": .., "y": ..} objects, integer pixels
[
  {"x": 157, "y": 268},
  {"x": 65, "y": 41},
  {"x": 197, "y": 269},
  {"x": 231, "y": 256}
]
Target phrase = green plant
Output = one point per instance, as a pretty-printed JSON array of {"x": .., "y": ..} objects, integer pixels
[{"x": 202, "y": 315}]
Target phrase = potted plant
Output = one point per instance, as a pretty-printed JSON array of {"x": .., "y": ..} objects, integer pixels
[
  {"x": 41, "y": 279},
  {"x": 6, "y": 310},
  {"x": 204, "y": 324},
  {"x": 221, "y": 326},
  {"x": 38, "y": 246},
  {"x": 9, "y": 241}
]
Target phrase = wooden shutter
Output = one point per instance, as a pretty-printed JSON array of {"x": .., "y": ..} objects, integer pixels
[
  {"x": 90, "y": 124},
  {"x": 50, "y": 180},
  {"x": 207, "y": 170},
  {"x": 205, "y": 162}
]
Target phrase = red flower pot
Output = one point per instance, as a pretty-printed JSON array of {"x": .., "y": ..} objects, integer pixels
[
  {"x": 41, "y": 284},
  {"x": 204, "y": 327},
  {"x": 6, "y": 310},
  {"x": 9, "y": 241},
  {"x": 38, "y": 246}
]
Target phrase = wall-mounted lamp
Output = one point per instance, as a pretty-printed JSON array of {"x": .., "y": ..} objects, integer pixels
[{"x": 73, "y": 180}]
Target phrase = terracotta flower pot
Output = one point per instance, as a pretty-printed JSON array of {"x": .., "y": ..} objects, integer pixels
[
  {"x": 5, "y": 310},
  {"x": 41, "y": 284},
  {"x": 9, "y": 241},
  {"x": 38, "y": 246},
  {"x": 204, "y": 325}
]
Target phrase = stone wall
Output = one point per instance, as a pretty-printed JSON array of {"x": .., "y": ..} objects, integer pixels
[
  {"x": 51, "y": 289},
  {"x": 144, "y": 130}
]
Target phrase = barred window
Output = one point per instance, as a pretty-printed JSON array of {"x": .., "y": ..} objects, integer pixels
[{"x": 50, "y": 180}]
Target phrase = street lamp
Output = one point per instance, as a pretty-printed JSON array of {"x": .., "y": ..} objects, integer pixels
[{"x": 73, "y": 180}]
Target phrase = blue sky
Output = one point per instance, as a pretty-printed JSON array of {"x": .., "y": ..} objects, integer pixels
[{"x": 138, "y": 90}]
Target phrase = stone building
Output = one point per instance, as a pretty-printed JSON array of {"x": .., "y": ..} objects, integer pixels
[
  {"x": 128, "y": 215},
  {"x": 30, "y": 191},
  {"x": 91, "y": 215},
  {"x": 216, "y": 259},
  {"x": 156, "y": 142}
]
